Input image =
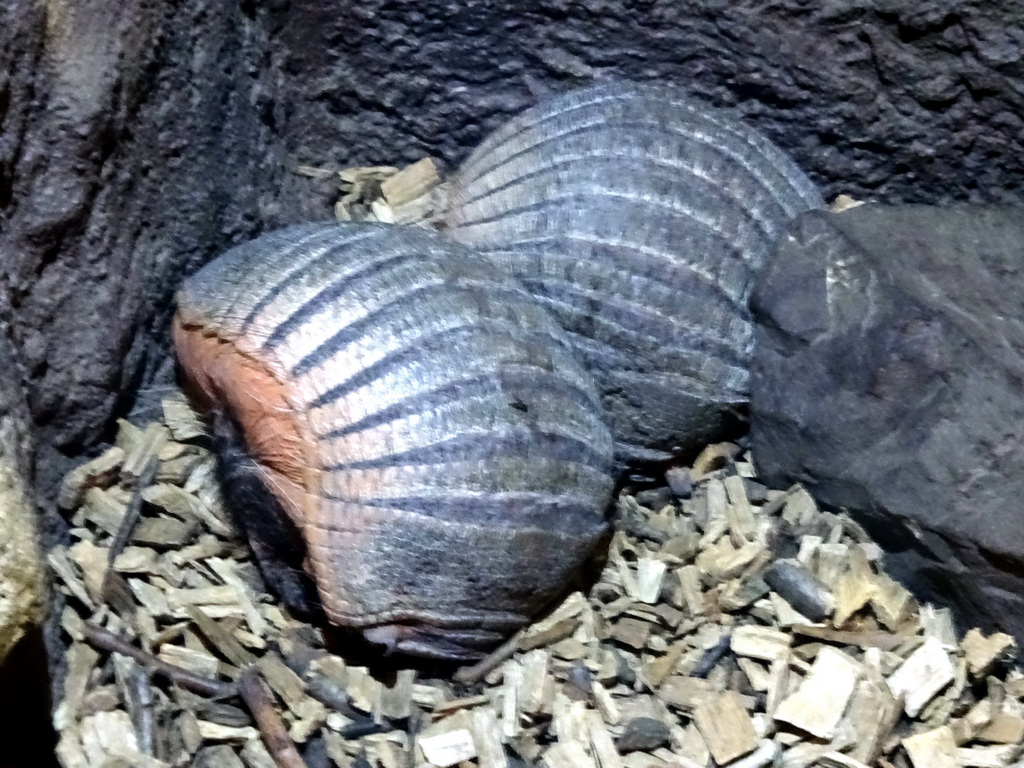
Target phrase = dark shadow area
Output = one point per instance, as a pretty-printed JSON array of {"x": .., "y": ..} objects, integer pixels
[{"x": 25, "y": 729}]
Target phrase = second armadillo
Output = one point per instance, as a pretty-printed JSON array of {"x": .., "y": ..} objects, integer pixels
[{"x": 639, "y": 217}]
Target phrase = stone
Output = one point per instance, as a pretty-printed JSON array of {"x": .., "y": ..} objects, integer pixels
[
  {"x": 888, "y": 378},
  {"x": 643, "y": 734}
]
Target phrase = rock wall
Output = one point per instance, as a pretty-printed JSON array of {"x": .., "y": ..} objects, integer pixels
[
  {"x": 913, "y": 100},
  {"x": 138, "y": 139}
]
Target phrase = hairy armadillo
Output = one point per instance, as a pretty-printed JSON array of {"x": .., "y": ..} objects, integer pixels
[
  {"x": 418, "y": 418},
  {"x": 638, "y": 216}
]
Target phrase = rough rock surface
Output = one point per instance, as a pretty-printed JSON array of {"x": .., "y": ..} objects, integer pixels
[
  {"x": 889, "y": 378},
  {"x": 918, "y": 101},
  {"x": 21, "y": 571},
  {"x": 139, "y": 140},
  {"x": 134, "y": 145}
]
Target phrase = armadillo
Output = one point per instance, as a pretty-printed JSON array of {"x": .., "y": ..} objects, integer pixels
[
  {"x": 638, "y": 215},
  {"x": 422, "y": 424}
]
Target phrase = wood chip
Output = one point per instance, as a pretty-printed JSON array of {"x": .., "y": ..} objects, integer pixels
[
  {"x": 448, "y": 742},
  {"x": 101, "y": 472},
  {"x": 760, "y": 643},
  {"x": 982, "y": 652},
  {"x": 932, "y": 749},
  {"x": 694, "y": 627},
  {"x": 687, "y": 693},
  {"x": 726, "y": 727},
  {"x": 818, "y": 704},
  {"x": 411, "y": 182},
  {"x": 925, "y": 672}
]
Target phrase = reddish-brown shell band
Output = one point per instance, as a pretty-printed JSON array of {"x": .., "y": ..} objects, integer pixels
[{"x": 421, "y": 420}]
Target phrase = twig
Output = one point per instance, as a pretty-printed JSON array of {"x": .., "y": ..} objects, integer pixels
[
  {"x": 132, "y": 512},
  {"x": 504, "y": 651},
  {"x": 190, "y": 681},
  {"x": 272, "y": 729},
  {"x": 114, "y": 588}
]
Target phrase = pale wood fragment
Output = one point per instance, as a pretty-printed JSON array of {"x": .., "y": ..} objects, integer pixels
[
  {"x": 932, "y": 749},
  {"x": 726, "y": 727},
  {"x": 511, "y": 692},
  {"x": 757, "y": 675},
  {"x": 1004, "y": 728},
  {"x": 601, "y": 745},
  {"x": 689, "y": 581},
  {"x": 722, "y": 561},
  {"x": 800, "y": 508},
  {"x": 757, "y": 642},
  {"x": 81, "y": 660},
  {"x": 687, "y": 693},
  {"x": 891, "y": 601},
  {"x": 839, "y": 760},
  {"x": 660, "y": 668},
  {"x": 536, "y": 681},
  {"x": 692, "y": 747},
  {"x": 105, "y": 508},
  {"x": 631, "y": 632},
  {"x": 742, "y": 524},
  {"x": 217, "y": 732},
  {"x": 107, "y": 734},
  {"x": 145, "y": 450},
  {"x": 873, "y": 714},
  {"x": 649, "y": 577},
  {"x": 448, "y": 742},
  {"x": 982, "y": 653},
  {"x": 246, "y": 598},
  {"x": 833, "y": 561},
  {"x": 411, "y": 182},
  {"x": 924, "y": 673},
  {"x": 183, "y": 423},
  {"x": 487, "y": 739},
  {"x": 818, "y": 704},
  {"x": 994, "y": 756},
  {"x": 568, "y": 756},
  {"x": 101, "y": 472},
  {"x": 854, "y": 588},
  {"x": 195, "y": 661},
  {"x": 939, "y": 623},
  {"x": 717, "y": 504}
]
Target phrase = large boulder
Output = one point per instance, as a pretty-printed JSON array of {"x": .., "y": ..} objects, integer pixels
[{"x": 889, "y": 377}]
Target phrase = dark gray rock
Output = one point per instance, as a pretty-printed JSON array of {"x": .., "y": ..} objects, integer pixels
[
  {"x": 643, "y": 734},
  {"x": 889, "y": 378},
  {"x": 679, "y": 481}
]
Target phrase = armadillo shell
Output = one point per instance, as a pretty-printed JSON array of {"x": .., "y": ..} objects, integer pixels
[
  {"x": 638, "y": 216},
  {"x": 420, "y": 418}
]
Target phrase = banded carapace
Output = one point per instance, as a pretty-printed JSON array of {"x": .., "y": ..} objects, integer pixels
[
  {"x": 638, "y": 216},
  {"x": 419, "y": 419}
]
